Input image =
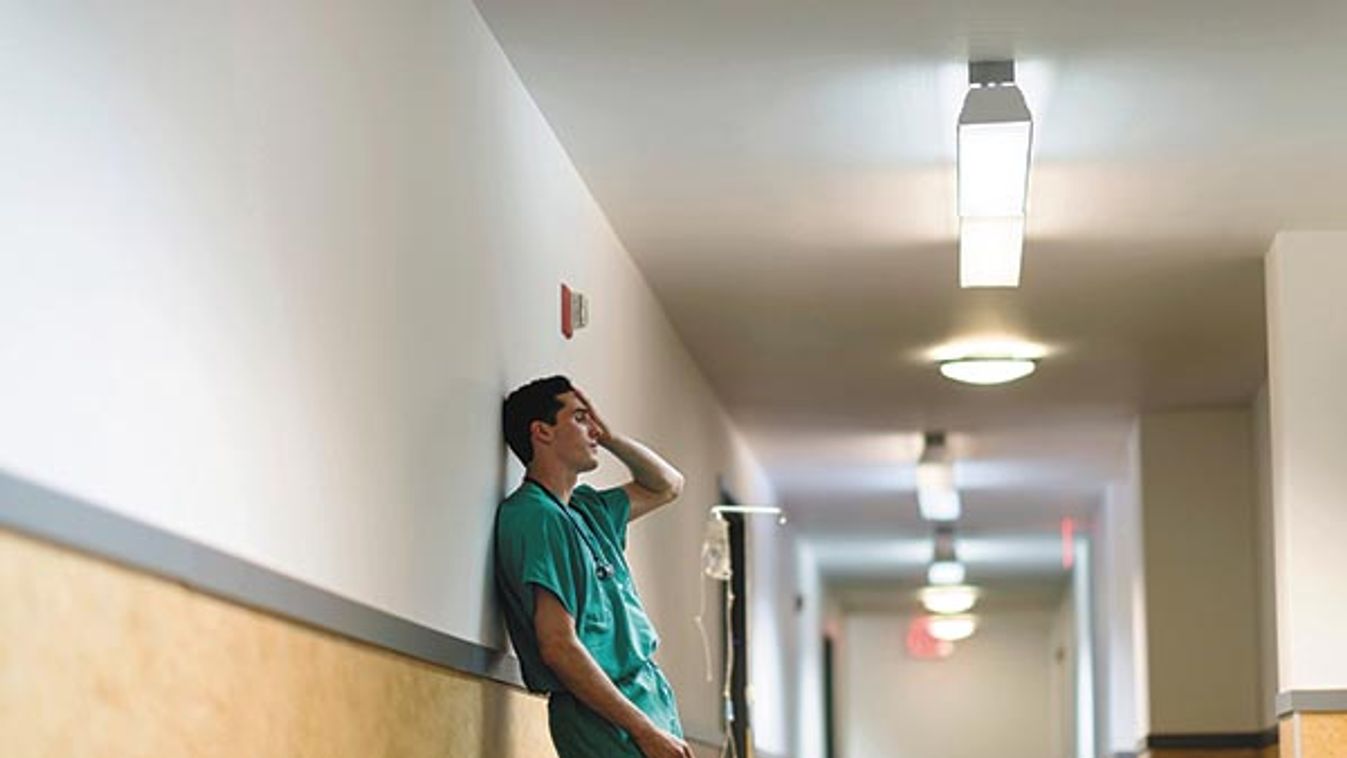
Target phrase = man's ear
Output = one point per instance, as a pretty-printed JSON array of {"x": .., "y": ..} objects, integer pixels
[{"x": 540, "y": 431}]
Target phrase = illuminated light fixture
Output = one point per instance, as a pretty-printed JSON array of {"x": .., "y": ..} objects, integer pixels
[
  {"x": 945, "y": 567},
  {"x": 987, "y": 361},
  {"x": 942, "y": 573},
  {"x": 936, "y": 496},
  {"x": 985, "y": 371},
  {"x": 990, "y": 250},
  {"x": 995, "y": 136},
  {"x": 952, "y": 628},
  {"x": 934, "y": 474},
  {"x": 947, "y": 600},
  {"x": 922, "y": 646},
  {"x": 939, "y": 505},
  {"x": 995, "y": 133}
]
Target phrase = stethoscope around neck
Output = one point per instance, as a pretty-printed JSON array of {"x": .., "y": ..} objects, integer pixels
[{"x": 602, "y": 568}]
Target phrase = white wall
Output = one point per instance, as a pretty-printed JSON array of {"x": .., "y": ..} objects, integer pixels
[
  {"x": 266, "y": 270},
  {"x": 1086, "y": 714},
  {"x": 1198, "y": 494},
  {"x": 1266, "y": 561},
  {"x": 993, "y": 697},
  {"x": 1062, "y": 680},
  {"x": 835, "y": 629},
  {"x": 807, "y": 649},
  {"x": 772, "y": 635},
  {"x": 1120, "y": 609},
  {"x": 1307, "y": 355}
]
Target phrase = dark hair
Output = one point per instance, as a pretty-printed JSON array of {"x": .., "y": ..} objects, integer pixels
[{"x": 535, "y": 401}]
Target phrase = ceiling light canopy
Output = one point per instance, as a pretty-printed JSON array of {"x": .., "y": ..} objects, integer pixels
[
  {"x": 952, "y": 628},
  {"x": 995, "y": 137},
  {"x": 951, "y": 599}
]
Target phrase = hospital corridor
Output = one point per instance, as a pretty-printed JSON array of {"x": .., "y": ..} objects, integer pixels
[{"x": 630, "y": 379}]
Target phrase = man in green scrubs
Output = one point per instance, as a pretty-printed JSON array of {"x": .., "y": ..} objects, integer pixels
[{"x": 570, "y": 605}]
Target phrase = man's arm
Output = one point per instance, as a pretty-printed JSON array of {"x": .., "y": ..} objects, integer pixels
[
  {"x": 571, "y": 662},
  {"x": 655, "y": 482}
]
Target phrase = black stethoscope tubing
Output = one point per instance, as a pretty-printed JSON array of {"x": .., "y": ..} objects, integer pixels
[{"x": 602, "y": 568}]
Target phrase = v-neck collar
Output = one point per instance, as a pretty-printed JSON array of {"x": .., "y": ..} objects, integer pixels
[{"x": 550, "y": 494}]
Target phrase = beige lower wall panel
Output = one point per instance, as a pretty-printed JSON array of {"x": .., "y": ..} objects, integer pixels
[
  {"x": 99, "y": 660},
  {"x": 1323, "y": 735},
  {"x": 1204, "y": 753}
]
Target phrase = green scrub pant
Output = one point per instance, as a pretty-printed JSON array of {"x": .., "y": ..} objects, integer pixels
[{"x": 578, "y": 732}]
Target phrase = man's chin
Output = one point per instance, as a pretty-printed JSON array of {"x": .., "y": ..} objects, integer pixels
[{"x": 590, "y": 464}]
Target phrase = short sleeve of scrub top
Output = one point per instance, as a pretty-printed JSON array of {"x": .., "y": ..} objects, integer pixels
[{"x": 548, "y": 553}]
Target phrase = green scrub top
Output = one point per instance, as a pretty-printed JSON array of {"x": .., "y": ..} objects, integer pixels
[{"x": 575, "y": 552}]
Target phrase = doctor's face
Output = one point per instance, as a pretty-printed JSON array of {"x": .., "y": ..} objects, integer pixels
[{"x": 575, "y": 438}]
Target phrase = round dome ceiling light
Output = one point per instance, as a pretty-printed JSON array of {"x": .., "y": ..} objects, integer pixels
[
  {"x": 949, "y": 599},
  {"x": 951, "y": 628},
  {"x": 985, "y": 371}
]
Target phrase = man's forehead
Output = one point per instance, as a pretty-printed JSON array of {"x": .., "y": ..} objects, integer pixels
[{"x": 570, "y": 401}]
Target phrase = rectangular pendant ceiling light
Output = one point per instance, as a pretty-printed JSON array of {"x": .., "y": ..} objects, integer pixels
[
  {"x": 995, "y": 134},
  {"x": 937, "y": 497},
  {"x": 939, "y": 504},
  {"x": 990, "y": 250}
]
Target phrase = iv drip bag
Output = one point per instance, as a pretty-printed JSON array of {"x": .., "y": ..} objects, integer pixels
[{"x": 716, "y": 549}]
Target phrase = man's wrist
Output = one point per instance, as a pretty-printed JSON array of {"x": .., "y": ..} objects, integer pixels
[{"x": 643, "y": 729}]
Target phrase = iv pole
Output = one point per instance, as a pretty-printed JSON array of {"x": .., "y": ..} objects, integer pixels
[{"x": 716, "y": 565}]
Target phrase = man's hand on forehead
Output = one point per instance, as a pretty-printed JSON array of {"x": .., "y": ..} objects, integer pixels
[{"x": 595, "y": 420}]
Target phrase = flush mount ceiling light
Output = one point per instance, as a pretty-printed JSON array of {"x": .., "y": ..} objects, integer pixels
[
  {"x": 951, "y": 628},
  {"x": 947, "y": 600},
  {"x": 987, "y": 370},
  {"x": 995, "y": 136},
  {"x": 936, "y": 495},
  {"x": 988, "y": 361}
]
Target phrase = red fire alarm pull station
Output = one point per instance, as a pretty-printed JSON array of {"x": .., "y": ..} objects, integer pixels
[
  {"x": 567, "y": 328},
  {"x": 574, "y": 311}
]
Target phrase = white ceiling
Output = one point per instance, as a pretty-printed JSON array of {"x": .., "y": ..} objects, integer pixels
[
  {"x": 998, "y": 595},
  {"x": 783, "y": 173}
]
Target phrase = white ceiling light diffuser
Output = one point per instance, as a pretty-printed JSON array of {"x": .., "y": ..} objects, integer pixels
[
  {"x": 985, "y": 371},
  {"x": 939, "y": 505},
  {"x": 936, "y": 496},
  {"x": 952, "y": 628},
  {"x": 995, "y": 137},
  {"x": 951, "y": 599},
  {"x": 995, "y": 131},
  {"x": 945, "y": 567},
  {"x": 984, "y": 361},
  {"x": 990, "y": 251},
  {"x": 943, "y": 573},
  {"x": 934, "y": 473}
]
